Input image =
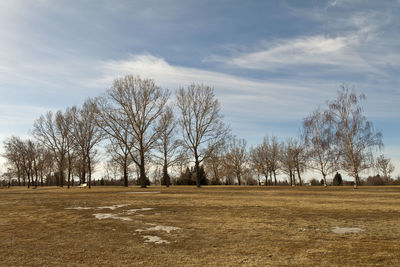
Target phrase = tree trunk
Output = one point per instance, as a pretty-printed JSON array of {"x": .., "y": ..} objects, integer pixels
[
  {"x": 275, "y": 178},
  {"x": 298, "y": 175},
  {"x": 290, "y": 176},
  {"x": 165, "y": 175},
  {"x": 324, "y": 177},
  {"x": 41, "y": 178},
  {"x": 69, "y": 176},
  {"x": 238, "y": 178},
  {"x": 125, "y": 174},
  {"x": 89, "y": 165},
  {"x": 142, "y": 170},
  {"x": 197, "y": 169},
  {"x": 356, "y": 180},
  {"x": 36, "y": 175},
  {"x": 19, "y": 176}
]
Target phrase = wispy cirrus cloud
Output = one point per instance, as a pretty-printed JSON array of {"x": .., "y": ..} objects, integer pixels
[{"x": 307, "y": 51}]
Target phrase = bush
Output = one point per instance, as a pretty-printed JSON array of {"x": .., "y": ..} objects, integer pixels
[
  {"x": 375, "y": 180},
  {"x": 337, "y": 179},
  {"x": 186, "y": 178},
  {"x": 314, "y": 182}
]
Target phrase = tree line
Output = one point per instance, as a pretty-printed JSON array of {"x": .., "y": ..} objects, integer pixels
[{"x": 140, "y": 128}]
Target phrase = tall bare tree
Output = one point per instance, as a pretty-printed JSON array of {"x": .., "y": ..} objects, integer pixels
[
  {"x": 320, "y": 143},
  {"x": 355, "y": 135},
  {"x": 237, "y": 157},
  {"x": 384, "y": 166},
  {"x": 265, "y": 158},
  {"x": 215, "y": 166},
  {"x": 86, "y": 134},
  {"x": 113, "y": 121},
  {"x": 300, "y": 159},
  {"x": 135, "y": 105},
  {"x": 201, "y": 121},
  {"x": 13, "y": 149},
  {"x": 52, "y": 131},
  {"x": 288, "y": 164},
  {"x": 168, "y": 143}
]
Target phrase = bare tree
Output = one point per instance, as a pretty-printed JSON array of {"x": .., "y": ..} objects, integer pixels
[
  {"x": 320, "y": 143},
  {"x": 112, "y": 120},
  {"x": 119, "y": 156},
  {"x": 257, "y": 157},
  {"x": 355, "y": 135},
  {"x": 237, "y": 157},
  {"x": 265, "y": 158},
  {"x": 201, "y": 122},
  {"x": 86, "y": 134},
  {"x": 52, "y": 131},
  {"x": 299, "y": 156},
  {"x": 167, "y": 144},
  {"x": 135, "y": 105},
  {"x": 272, "y": 147},
  {"x": 215, "y": 166},
  {"x": 288, "y": 164},
  {"x": 384, "y": 166},
  {"x": 13, "y": 149}
]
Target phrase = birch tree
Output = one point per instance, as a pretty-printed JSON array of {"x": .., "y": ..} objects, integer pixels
[
  {"x": 384, "y": 166},
  {"x": 320, "y": 143},
  {"x": 355, "y": 134}
]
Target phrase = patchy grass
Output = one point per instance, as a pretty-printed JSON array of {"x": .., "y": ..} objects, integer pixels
[{"x": 214, "y": 226}]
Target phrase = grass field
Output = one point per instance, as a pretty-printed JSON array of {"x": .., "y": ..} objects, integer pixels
[{"x": 214, "y": 226}]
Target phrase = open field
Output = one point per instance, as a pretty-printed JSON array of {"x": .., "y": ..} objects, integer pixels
[{"x": 214, "y": 226}]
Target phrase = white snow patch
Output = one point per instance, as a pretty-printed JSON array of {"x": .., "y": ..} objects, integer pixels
[
  {"x": 167, "y": 229},
  {"x": 102, "y": 216},
  {"x": 142, "y": 192},
  {"x": 345, "y": 230},
  {"x": 79, "y": 208},
  {"x": 113, "y": 207},
  {"x": 132, "y": 211},
  {"x": 154, "y": 239},
  {"x": 140, "y": 230}
]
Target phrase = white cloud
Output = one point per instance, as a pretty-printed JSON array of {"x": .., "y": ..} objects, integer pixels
[
  {"x": 340, "y": 52},
  {"x": 253, "y": 96}
]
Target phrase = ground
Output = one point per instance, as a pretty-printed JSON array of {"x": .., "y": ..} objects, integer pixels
[{"x": 210, "y": 226}]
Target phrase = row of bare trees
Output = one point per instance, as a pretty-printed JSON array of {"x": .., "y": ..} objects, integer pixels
[
  {"x": 337, "y": 138},
  {"x": 136, "y": 122}
]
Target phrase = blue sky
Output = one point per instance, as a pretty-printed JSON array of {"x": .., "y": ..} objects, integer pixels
[{"x": 270, "y": 62}]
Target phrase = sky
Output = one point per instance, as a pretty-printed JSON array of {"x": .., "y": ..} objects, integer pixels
[{"x": 270, "y": 62}]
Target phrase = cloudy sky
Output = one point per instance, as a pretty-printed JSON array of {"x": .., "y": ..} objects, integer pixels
[{"x": 270, "y": 62}]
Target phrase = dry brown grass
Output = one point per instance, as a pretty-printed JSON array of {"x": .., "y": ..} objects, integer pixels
[{"x": 220, "y": 226}]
